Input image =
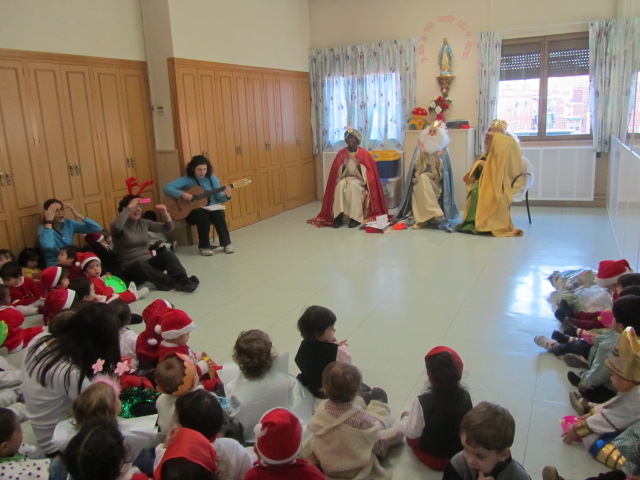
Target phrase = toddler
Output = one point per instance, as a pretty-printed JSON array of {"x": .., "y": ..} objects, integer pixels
[
  {"x": 432, "y": 426},
  {"x": 148, "y": 340},
  {"x": 346, "y": 438},
  {"x": 31, "y": 262},
  {"x": 57, "y": 299},
  {"x": 175, "y": 376},
  {"x": 200, "y": 411},
  {"x": 621, "y": 411},
  {"x": 128, "y": 338},
  {"x": 102, "y": 245},
  {"x": 13, "y": 463},
  {"x": 85, "y": 291},
  {"x": 259, "y": 380},
  {"x": 26, "y": 295},
  {"x": 17, "y": 337},
  {"x": 188, "y": 456},
  {"x": 6, "y": 256},
  {"x": 486, "y": 433},
  {"x": 67, "y": 257},
  {"x": 595, "y": 385},
  {"x": 318, "y": 347},
  {"x": 279, "y": 435},
  {"x": 101, "y": 401},
  {"x": 92, "y": 269}
]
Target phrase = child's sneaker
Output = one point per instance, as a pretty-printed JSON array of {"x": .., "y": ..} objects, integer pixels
[
  {"x": 560, "y": 337},
  {"x": 550, "y": 473},
  {"x": 546, "y": 343},
  {"x": 579, "y": 404},
  {"x": 574, "y": 360},
  {"x": 574, "y": 378}
]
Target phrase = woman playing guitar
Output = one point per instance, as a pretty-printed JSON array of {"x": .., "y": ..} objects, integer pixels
[{"x": 200, "y": 174}]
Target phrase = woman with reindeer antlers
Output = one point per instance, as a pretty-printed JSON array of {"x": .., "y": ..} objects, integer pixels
[{"x": 130, "y": 238}]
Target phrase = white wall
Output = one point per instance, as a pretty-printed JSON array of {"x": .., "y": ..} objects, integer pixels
[
  {"x": 99, "y": 28},
  {"x": 273, "y": 33}
]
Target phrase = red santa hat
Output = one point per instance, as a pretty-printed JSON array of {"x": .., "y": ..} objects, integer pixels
[
  {"x": 151, "y": 314},
  {"x": 85, "y": 257},
  {"x": 278, "y": 436},
  {"x": 194, "y": 447},
  {"x": 59, "y": 299},
  {"x": 92, "y": 238},
  {"x": 173, "y": 324},
  {"x": 50, "y": 276},
  {"x": 610, "y": 270}
]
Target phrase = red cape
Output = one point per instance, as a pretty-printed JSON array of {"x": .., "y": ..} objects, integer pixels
[{"x": 377, "y": 205}]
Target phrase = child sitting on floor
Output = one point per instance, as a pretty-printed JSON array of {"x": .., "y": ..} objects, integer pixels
[
  {"x": 486, "y": 433},
  {"x": 279, "y": 434},
  {"x": 259, "y": 380},
  {"x": 13, "y": 463},
  {"x": 128, "y": 338},
  {"x": 346, "y": 438},
  {"x": 68, "y": 258},
  {"x": 17, "y": 337},
  {"x": 102, "y": 245},
  {"x": 92, "y": 269},
  {"x": 432, "y": 426},
  {"x": 26, "y": 295},
  {"x": 31, "y": 262},
  {"x": 148, "y": 340},
  {"x": 85, "y": 291},
  {"x": 318, "y": 347},
  {"x": 200, "y": 410},
  {"x": 188, "y": 456}
]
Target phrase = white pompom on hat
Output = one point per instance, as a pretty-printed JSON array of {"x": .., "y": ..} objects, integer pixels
[
  {"x": 278, "y": 436},
  {"x": 610, "y": 270},
  {"x": 173, "y": 324}
]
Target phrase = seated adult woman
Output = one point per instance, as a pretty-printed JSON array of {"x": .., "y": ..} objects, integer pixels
[
  {"x": 259, "y": 380},
  {"x": 200, "y": 173},
  {"x": 58, "y": 366},
  {"x": 130, "y": 238},
  {"x": 353, "y": 191},
  {"x": 58, "y": 231}
]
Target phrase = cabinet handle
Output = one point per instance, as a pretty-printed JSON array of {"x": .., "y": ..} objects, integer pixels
[
  {"x": 133, "y": 162},
  {"x": 297, "y": 142},
  {"x": 71, "y": 170},
  {"x": 240, "y": 148},
  {"x": 2, "y": 182},
  {"x": 77, "y": 170},
  {"x": 8, "y": 178},
  {"x": 128, "y": 161}
]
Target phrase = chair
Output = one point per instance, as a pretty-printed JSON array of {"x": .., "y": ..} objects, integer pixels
[{"x": 521, "y": 183}]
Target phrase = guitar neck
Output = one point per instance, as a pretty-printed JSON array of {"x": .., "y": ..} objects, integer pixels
[{"x": 208, "y": 193}]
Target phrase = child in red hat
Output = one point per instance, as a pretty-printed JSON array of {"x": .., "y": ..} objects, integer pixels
[
  {"x": 16, "y": 337},
  {"x": 148, "y": 340},
  {"x": 26, "y": 295},
  {"x": 92, "y": 269},
  {"x": 278, "y": 440}
]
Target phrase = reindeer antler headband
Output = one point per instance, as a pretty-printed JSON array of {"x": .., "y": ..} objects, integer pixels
[{"x": 132, "y": 182}]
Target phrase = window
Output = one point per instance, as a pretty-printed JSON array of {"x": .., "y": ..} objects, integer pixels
[
  {"x": 377, "y": 102},
  {"x": 634, "y": 119},
  {"x": 544, "y": 87}
]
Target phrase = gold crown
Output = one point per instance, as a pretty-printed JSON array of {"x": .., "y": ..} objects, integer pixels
[
  {"x": 625, "y": 359},
  {"x": 439, "y": 124},
  {"x": 499, "y": 123}
]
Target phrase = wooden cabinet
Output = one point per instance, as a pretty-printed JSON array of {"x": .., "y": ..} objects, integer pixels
[
  {"x": 73, "y": 128},
  {"x": 262, "y": 124}
]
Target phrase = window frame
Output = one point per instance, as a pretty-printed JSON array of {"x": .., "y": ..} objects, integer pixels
[{"x": 544, "y": 42}]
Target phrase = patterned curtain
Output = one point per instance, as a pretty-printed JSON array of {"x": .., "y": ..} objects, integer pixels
[
  {"x": 614, "y": 60},
  {"x": 371, "y": 87},
  {"x": 489, "y": 55}
]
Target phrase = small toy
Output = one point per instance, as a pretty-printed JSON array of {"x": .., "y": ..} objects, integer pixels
[{"x": 418, "y": 119}]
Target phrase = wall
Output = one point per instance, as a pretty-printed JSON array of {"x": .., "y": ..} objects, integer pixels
[{"x": 96, "y": 28}]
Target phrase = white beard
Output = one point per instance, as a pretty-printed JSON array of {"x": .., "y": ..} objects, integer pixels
[{"x": 435, "y": 143}]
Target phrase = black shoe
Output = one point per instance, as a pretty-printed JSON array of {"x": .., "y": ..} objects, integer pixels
[
  {"x": 560, "y": 314},
  {"x": 136, "y": 319},
  {"x": 187, "y": 286},
  {"x": 574, "y": 378},
  {"x": 337, "y": 222},
  {"x": 194, "y": 279},
  {"x": 568, "y": 309},
  {"x": 353, "y": 223}
]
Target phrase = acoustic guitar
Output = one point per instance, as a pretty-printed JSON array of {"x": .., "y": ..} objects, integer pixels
[{"x": 179, "y": 208}]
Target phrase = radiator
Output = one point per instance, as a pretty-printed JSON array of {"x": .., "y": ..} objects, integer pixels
[{"x": 562, "y": 173}]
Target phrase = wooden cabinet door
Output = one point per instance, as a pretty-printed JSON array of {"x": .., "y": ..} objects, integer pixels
[
  {"x": 304, "y": 139},
  {"x": 190, "y": 113},
  {"x": 139, "y": 129},
  {"x": 116, "y": 160},
  {"x": 20, "y": 180},
  {"x": 89, "y": 188},
  {"x": 268, "y": 184},
  {"x": 289, "y": 145},
  {"x": 208, "y": 104}
]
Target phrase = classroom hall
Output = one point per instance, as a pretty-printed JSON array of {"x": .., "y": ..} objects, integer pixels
[{"x": 397, "y": 295}]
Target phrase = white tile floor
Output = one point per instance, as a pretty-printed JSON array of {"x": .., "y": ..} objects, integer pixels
[{"x": 398, "y": 295}]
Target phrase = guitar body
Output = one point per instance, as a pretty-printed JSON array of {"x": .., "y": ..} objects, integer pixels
[{"x": 179, "y": 208}]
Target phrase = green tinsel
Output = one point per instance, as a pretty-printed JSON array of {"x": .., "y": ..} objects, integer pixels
[{"x": 131, "y": 397}]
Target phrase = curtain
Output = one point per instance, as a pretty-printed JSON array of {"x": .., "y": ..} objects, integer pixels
[
  {"x": 371, "y": 87},
  {"x": 614, "y": 60},
  {"x": 489, "y": 55}
]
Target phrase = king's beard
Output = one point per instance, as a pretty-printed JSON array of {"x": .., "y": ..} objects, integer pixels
[{"x": 435, "y": 143}]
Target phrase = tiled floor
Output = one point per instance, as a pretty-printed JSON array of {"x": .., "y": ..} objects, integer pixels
[{"x": 398, "y": 295}]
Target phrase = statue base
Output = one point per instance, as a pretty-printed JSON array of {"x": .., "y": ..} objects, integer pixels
[{"x": 445, "y": 82}]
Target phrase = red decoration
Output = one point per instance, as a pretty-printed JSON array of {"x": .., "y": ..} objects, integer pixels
[
  {"x": 439, "y": 105},
  {"x": 132, "y": 182}
]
